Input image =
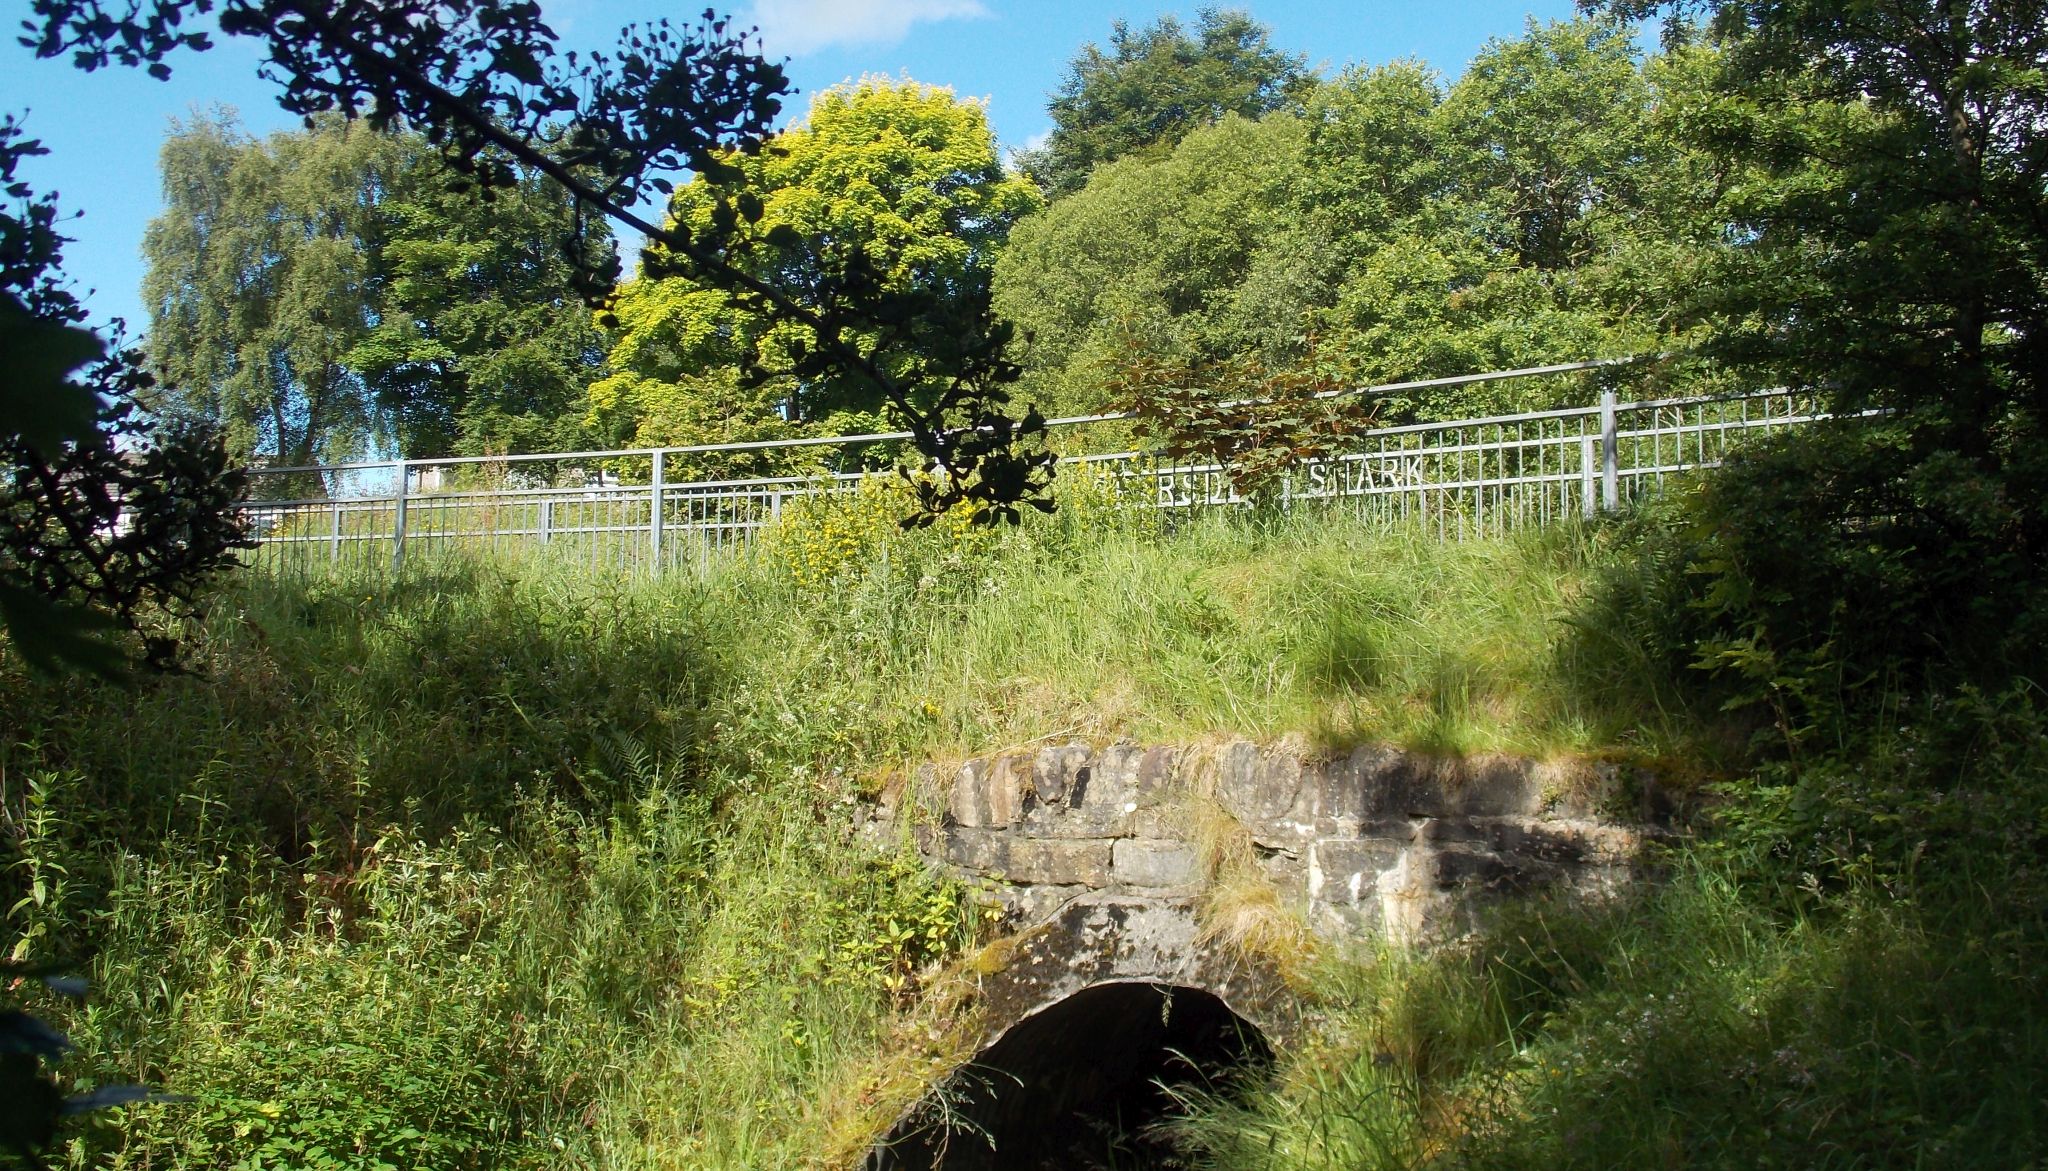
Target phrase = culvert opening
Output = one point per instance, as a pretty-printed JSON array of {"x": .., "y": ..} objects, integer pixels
[{"x": 1082, "y": 1085}]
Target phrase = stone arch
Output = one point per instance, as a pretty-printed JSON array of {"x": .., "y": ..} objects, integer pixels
[
  {"x": 1079, "y": 1083},
  {"x": 1094, "y": 1005}
]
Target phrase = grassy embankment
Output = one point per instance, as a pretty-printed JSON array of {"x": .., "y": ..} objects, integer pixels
[{"x": 508, "y": 865}]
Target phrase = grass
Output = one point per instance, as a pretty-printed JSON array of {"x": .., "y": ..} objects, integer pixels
[
  {"x": 1340, "y": 632},
  {"x": 1688, "y": 1028},
  {"x": 511, "y": 864}
]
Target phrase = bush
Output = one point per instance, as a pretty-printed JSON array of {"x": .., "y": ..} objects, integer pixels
[{"x": 1837, "y": 572}]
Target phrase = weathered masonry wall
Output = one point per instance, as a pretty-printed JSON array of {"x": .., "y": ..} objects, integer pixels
[
  {"x": 1121, "y": 866},
  {"x": 1371, "y": 841}
]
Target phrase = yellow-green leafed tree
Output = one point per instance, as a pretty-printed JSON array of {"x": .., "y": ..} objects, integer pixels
[{"x": 902, "y": 175}]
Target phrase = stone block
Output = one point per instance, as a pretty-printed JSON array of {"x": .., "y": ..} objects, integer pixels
[
  {"x": 1554, "y": 844},
  {"x": 1288, "y": 874},
  {"x": 1009, "y": 789},
  {"x": 1054, "y": 768},
  {"x": 1378, "y": 782},
  {"x": 1467, "y": 871},
  {"x": 1023, "y": 903},
  {"x": 1063, "y": 863},
  {"x": 1158, "y": 772},
  {"x": 1098, "y": 800},
  {"x": 1609, "y": 845},
  {"x": 1111, "y": 780},
  {"x": 1498, "y": 786},
  {"x": 1030, "y": 861},
  {"x": 1158, "y": 864},
  {"x": 1416, "y": 904},
  {"x": 1237, "y": 772},
  {"x": 990, "y": 794},
  {"x": 1346, "y": 871},
  {"x": 1067, "y": 822},
  {"x": 1331, "y": 802},
  {"x": 1265, "y": 791},
  {"x": 1447, "y": 830},
  {"x": 1158, "y": 820},
  {"x": 1280, "y": 778},
  {"x": 975, "y": 851},
  {"x": 968, "y": 804}
]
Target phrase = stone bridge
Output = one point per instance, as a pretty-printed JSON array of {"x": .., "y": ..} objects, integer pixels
[{"x": 1161, "y": 896}]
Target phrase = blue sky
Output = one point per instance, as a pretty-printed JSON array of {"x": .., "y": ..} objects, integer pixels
[{"x": 103, "y": 129}]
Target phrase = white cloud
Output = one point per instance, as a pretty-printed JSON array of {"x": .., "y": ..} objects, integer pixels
[
  {"x": 1032, "y": 145},
  {"x": 797, "y": 27}
]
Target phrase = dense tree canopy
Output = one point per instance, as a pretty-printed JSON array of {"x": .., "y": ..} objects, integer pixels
[
  {"x": 1409, "y": 228},
  {"x": 260, "y": 280},
  {"x": 904, "y": 174},
  {"x": 1892, "y": 235},
  {"x": 1155, "y": 85},
  {"x": 321, "y": 294},
  {"x": 482, "y": 345},
  {"x": 482, "y": 80},
  {"x": 1887, "y": 247},
  {"x": 1161, "y": 248}
]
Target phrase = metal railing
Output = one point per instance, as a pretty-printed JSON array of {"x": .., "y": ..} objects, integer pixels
[{"x": 1458, "y": 479}]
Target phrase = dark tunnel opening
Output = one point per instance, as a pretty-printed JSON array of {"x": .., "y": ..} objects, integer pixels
[{"x": 1081, "y": 1085}]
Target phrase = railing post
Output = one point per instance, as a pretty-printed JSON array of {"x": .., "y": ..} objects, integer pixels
[
  {"x": 1587, "y": 502},
  {"x": 547, "y": 520},
  {"x": 334, "y": 537},
  {"x": 398, "y": 520},
  {"x": 1610, "y": 452},
  {"x": 655, "y": 493}
]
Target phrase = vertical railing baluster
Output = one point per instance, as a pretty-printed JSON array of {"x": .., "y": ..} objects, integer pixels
[
  {"x": 655, "y": 500},
  {"x": 1610, "y": 453},
  {"x": 1586, "y": 472},
  {"x": 398, "y": 522}
]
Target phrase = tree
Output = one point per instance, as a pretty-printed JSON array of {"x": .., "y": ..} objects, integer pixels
[
  {"x": 1887, "y": 246},
  {"x": 261, "y": 279},
  {"x": 905, "y": 175},
  {"x": 1893, "y": 251},
  {"x": 1160, "y": 247},
  {"x": 1547, "y": 136},
  {"x": 1494, "y": 239},
  {"x": 482, "y": 81},
  {"x": 106, "y": 520},
  {"x": 481, "y": 344},
  {"x": 1398, "y": 228},
  {"x": 1155, "y": 85},
  {"x": 321, "y": 294}
]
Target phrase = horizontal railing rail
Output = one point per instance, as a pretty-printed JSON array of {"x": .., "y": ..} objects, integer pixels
[{"x": 1458, "y": 479}]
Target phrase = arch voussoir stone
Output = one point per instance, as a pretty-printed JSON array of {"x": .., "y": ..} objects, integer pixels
[{"x": 1107, "y": 937}]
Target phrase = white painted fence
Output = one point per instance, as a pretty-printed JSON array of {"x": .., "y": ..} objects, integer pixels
[{"x": 1458, "y": 479}]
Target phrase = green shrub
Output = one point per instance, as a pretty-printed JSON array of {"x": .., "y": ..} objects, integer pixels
[{"x": 1837, "y": 572}]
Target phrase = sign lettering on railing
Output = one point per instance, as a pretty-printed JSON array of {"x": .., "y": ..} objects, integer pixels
[{"x": 1357, "y": 475}]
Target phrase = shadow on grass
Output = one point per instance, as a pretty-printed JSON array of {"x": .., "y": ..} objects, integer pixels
[{"x": 317, "y": 710}]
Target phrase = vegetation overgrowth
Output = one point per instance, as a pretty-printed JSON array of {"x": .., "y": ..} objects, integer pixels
[
  {"x": 508, "y": 864},
  {"x": 503, "y": 864}
]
